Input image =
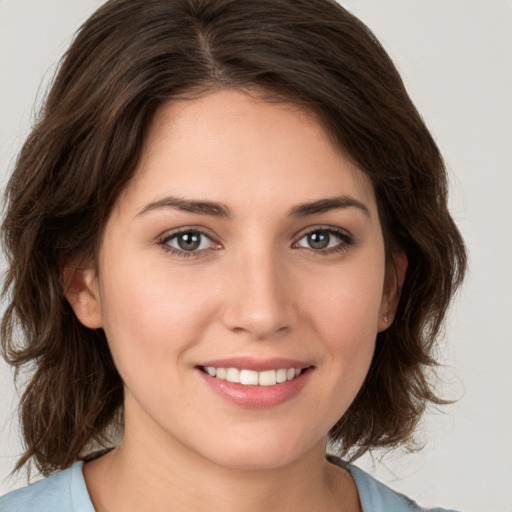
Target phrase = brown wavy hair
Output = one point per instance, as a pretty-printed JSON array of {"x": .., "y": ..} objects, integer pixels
[{"x": 128, "y": 59}]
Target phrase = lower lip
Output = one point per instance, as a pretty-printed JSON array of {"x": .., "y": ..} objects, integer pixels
[{"x": 257, "y": 397}]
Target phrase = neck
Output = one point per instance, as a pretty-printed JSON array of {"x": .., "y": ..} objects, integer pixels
[{"x": 152, "y": 472}]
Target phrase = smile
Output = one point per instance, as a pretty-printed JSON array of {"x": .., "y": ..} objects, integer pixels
[{"x": 251, "y": 377}]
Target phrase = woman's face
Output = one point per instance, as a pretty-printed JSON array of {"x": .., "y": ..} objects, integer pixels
[{"x": 249, "y": 248}]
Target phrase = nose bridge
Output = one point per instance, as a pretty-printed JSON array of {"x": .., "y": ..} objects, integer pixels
[{"x": 258, "y": 301}]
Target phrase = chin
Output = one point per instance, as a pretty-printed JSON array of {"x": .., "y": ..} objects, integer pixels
[{"x": 260, "y": 452}]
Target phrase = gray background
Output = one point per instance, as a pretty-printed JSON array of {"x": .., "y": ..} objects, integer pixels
[{"x": 455, "y": 57}]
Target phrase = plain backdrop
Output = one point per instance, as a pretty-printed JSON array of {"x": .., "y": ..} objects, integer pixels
[{"x": 455, "y": 57}]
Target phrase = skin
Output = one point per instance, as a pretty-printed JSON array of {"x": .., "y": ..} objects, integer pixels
[{"x": 254, "y": 288}]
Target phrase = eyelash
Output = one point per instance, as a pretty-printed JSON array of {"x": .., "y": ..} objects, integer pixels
[
  {"x": 164, "y": 242},
  {"x": 346, "y": 240}
]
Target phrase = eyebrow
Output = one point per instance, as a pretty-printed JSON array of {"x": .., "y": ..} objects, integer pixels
[
  {"x": 325, "y": 205},
  {"x": 220, "y": 210},
  {"x": 190, "y": 206}
]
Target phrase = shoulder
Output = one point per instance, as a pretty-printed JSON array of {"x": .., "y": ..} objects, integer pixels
[
  {"x": 64, "y": 491},
  {"x": 375, "y": 496}
]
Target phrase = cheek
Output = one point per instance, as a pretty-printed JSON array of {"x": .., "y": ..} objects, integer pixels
[
  {"x": 152, "y": 316},
  {"x": 344, "y": 310},
  {"x": 346, "y": 302}
]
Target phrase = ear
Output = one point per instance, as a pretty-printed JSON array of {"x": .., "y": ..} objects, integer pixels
[
  {"x": 81, "y": 291},
  {"x": 392, "y": 288}
]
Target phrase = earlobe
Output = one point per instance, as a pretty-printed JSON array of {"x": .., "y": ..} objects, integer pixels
[
  {"x": 81, "y": 291},
  {"x": 385, "y": 319},
  {"x": 392, "y": 289}
]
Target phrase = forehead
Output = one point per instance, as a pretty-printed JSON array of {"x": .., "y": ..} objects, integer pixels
[{"x": 228, "y": 146}]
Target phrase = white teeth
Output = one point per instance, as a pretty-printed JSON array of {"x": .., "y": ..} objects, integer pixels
[
  {"x": 248, "y": 377},
  {"x": 210, "y": 370},
  {"x": 233, "y": 375},
  {"x": 281, "y": 375},
  {"x": 253, "y": 378},
  {"x": 267, "y": 378}
]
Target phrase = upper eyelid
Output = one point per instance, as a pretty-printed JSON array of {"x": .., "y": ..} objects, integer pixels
[
  {"x": 346, "y": 239},
  {"x": 332, "y": 229},
  {"x": 163, "y": 241},
  {"x": 169, "y": 234}
]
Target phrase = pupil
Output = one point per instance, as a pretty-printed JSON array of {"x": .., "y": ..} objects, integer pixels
[
  {"x": 189, "y": 241},
  {"x": 318, "y": 240}
]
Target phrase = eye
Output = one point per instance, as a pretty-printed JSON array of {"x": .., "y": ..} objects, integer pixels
[
  {"x": 187, "y": 241},
  {"x": 325, "y": 239}
]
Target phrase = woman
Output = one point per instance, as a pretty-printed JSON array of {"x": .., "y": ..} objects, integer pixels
[{"x": 228, "y": 243}]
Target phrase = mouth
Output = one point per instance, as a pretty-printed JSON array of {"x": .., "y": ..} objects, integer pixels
[
  {"x": 247, "y": 377},
  {"x": 256, "y": 383}
]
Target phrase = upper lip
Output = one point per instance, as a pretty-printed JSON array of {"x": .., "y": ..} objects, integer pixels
[{"x": 255, "y": 364}]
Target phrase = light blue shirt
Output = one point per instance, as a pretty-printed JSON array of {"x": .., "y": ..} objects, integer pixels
[{"x": 65, "y": 491}]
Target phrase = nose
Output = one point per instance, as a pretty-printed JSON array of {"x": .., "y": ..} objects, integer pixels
[{"x": 258, "y": 297}]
